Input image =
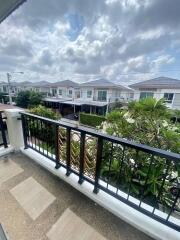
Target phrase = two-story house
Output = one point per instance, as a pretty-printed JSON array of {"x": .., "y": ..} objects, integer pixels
[
  {"x": 64, "y": 89},
  {"x": 105, "y": 91},
  {"x": 91, "y": 97},
  {"x": 161, "y": 87}
]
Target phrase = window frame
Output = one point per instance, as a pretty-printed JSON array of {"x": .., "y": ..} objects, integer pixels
[
  {"x": 70, "y": 90},
  {"x": 89, "y": 95},
  {"x": 147, "y": 94},
  {"x": 60, "y": 92},
  {"x": 102, "y": 98},
  {"x": 167, "y": 100}
]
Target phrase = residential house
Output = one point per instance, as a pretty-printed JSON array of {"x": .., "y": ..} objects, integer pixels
[
  {"x": 64, "y": 89},
  {"x": 161, "y": 87},
  {"x": 42, "y": 87},
  {"x": 61, "y": 96},
  {"x": 105, "y": 91},
  {"x": 92, "y": 97},
  {"x": 3, "y": 87}
]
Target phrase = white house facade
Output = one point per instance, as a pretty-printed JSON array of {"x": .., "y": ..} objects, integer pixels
[
  {"x": 64, "y": 89},
  {"x": 105, "y": 91},
  {"x": 161, "y": 87}
]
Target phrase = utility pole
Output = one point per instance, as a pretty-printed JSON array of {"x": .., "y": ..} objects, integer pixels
[
  {"x": 9, "y": 85},
  {"x": 9, "y": 88}
]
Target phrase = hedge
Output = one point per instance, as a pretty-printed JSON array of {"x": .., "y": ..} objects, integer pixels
[{"x": 91, "y": 119}]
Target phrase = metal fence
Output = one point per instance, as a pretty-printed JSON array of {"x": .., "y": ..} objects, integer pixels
[
  {"x": 143, "y": 177},
  {"x": 3, "y": 129}
]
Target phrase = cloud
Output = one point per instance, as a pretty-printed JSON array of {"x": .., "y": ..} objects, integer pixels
[{"x": 80, "y": 39}]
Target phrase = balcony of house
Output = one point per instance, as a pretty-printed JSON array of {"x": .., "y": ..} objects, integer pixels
[{"x": 59, "y": 181}]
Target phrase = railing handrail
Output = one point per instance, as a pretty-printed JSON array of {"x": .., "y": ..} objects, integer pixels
[{"x": 151, "y": 150}]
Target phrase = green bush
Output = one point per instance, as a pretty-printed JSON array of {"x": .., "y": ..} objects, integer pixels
[
  {"x": 42, "y": 130},
  {"x": 91, "y": 119},
  {"x": 45, "y": 112}
]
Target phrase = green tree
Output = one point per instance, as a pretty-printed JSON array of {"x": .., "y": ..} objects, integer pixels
[
  {"x": 35, "y": 99},
  {"x": 147, "y": 121},
  {"x": 27, "y": 99},
  {"x": 22, "y": 99}
]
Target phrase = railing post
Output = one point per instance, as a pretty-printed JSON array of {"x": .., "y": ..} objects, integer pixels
[
  {"x": 14, "y": 126},
  {"x": 24, "y": 131},
  {"x": 82, "y": 148},
  {"x": 3, "y": 131},
  {"x": 98, "y": 164},
  {"x": 57, "y": 147},
  {"x": 68, "y": 149}
]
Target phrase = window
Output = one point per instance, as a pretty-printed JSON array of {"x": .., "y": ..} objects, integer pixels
[
  {"x": 89, "y": 94},
  {"x": 54, "y": 91},
  {"x": 102, "y": 95},
  {"x": 131, "y": 95},
  {"x": 146, "y": 94},
  {"x": 168, "y": 97},
  {"x": 77, "y": 94},
  {"x": 60, "y": 92},
  {"x": 70, "y": 92},
  {"x": 4, "y": 89}
]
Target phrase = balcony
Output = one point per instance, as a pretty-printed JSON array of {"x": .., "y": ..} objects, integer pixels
[
  {"x": 20, "y": 222},
  {"x": 60, "y": 162}
]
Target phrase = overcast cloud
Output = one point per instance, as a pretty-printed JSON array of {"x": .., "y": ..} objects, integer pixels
[{"x": 87, "y": 39}]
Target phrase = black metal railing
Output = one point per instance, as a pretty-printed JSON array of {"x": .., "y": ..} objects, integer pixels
[
  {"x": 3, "y": 129},
  {"x": 143, "y": 177}
]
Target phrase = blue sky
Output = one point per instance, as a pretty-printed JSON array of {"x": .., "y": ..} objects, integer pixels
[
  {"x": 76, "y": 23},
  {"x": 84, "y": 40}
]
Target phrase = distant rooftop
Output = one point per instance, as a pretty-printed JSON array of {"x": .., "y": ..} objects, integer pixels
[
  {"x": 160, "y": 82},
  {"x": 103, "y": 83},
  {"x": 65, "y": 83}
]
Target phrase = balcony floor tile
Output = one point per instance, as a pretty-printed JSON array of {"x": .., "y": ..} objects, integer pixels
[
  {"x": 8, "y": 170},
  {"x": 33, "y": 197},
  {"x": 20, "y": 225},
  {"x": 70, "y": 226}
]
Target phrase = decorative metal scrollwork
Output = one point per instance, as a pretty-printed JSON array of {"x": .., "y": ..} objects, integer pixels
[
  {"x": 90, "y": 156},
  {"x": 75, "y": 150},
  {"x": 62, "y": 144}
]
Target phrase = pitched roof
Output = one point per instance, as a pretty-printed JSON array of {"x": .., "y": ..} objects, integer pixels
[
  {"x": 160, "y": 82},
  {"x": 65, "y": 83},
  {"x": 7, "y": 7},
  {"x": 39, "y": 84},
  {"x": 103, "y": 83}
]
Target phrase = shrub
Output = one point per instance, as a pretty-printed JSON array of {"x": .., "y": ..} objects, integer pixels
[
  {"x": 45, "y": 112},
  {"x": 91, "y": 119},
  {"x": 148, "y": 122},
  {"x": 42, "y": 130}
]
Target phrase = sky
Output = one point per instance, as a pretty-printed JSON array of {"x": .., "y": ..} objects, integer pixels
[{"x": 124, "y": 41}]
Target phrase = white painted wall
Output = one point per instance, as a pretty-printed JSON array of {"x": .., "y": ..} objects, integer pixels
[
  {"x": 112, "y": 94},
  {"x": 159, "y": 93},
  {"x": 84, "y": 93}
]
